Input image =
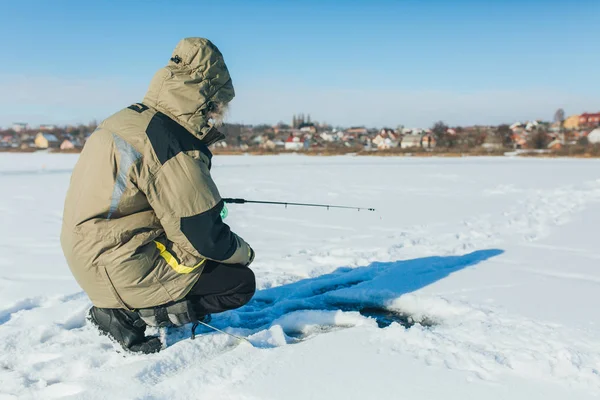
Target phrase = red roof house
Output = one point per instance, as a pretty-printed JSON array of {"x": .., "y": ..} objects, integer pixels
[{"x": 589, "y": 119}]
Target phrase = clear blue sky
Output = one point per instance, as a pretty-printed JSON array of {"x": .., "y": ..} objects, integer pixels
[{"x": 371, "y": 63}]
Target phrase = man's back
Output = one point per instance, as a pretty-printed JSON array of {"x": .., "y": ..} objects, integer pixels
[{"x": 109, "y": 225}]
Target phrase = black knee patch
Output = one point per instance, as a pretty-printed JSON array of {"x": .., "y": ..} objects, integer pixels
[
  {"x": 248, "y": 289},
  {"x": 249, "y": 280},
  {"x": 245, "y": 297}
]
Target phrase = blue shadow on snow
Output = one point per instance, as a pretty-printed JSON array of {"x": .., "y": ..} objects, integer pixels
[{"x": 364, "y": 289}]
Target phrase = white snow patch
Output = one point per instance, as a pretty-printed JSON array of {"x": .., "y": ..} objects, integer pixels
[{"x": 475, "y": 278}]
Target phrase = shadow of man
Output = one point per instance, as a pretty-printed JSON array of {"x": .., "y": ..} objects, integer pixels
[{"x": 367, "y": 290}]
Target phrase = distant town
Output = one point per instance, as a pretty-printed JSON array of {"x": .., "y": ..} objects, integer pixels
[{"x": 573, "y": 135}]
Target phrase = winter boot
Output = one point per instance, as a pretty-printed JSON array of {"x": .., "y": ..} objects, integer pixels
[{"x": 125, "y": 327}]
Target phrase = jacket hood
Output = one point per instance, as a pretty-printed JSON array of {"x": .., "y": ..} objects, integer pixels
[{"x": 195, "y": 79}]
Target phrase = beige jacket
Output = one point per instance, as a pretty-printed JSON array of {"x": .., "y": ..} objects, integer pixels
[{"x": 142, "y": 213}]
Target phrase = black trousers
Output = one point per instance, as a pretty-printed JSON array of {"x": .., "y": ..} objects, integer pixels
[{"x": 222, "y": 287}]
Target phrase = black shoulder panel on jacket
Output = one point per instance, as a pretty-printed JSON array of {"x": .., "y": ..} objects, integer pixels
[
  {"x": 209, "y": 235},
  {"x": 168, "y": 138}
]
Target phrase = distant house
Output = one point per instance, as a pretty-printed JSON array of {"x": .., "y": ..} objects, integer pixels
[
  {"x": 410, "y": 141},
  {"x": 515, "y": 126},
  {"x": 25, "y": 136},
  {"x": 519, "y": 140},
  {"x": 385, "y": 141},
  {"x": 519, "y": 131},
  {"x": 307, "y": 127},
  {"x": 328, "y": 137},
  {"x": 357, "y": 131},
  {"x": 67, "y": 145},
  {"x": 46, "y": 140},
  {"x": 269, "y": 145},
  {"x": 7, "y": 141},
  {"x": 27, "y": 144},
  {"x": 571, "y": 122},
  {"x": 492, "y": 142},
  {"x": 20, "y": 126},
  {"x": 556, "y": 144},
  {"x": 594, "y": 136},
  {"x": 293, "y": 143},
  {"x": 555, "y": 127},
  {"x": 387, "y": 133},
  {"x": 47, "y": 127},
  {"x": 587, "y": 119},
  {"x": 531, "y": 125}
]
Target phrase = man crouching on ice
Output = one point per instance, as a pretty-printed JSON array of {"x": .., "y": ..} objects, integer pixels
[{"x": 142, "y": 231}]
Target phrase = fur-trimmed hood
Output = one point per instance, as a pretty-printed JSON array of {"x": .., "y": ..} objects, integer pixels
[{"x": 191, "y": 85}]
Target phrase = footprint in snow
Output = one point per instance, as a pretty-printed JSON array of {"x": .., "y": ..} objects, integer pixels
[{"x": 21, "y": 305}]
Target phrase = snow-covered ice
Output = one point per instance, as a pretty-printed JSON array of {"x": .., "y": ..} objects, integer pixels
[{"x": 475, "y": 278}]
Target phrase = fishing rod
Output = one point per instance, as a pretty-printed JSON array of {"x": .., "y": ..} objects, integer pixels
[{"x": 328, "y": 206}]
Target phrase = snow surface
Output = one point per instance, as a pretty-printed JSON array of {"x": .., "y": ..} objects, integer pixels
[{"x": 492, "y": 262}]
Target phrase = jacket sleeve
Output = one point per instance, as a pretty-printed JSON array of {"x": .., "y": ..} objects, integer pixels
[{"x": 188, "y": 205}]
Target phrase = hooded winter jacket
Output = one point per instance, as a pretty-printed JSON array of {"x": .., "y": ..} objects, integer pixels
[{"x": 142, "y": 213}]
